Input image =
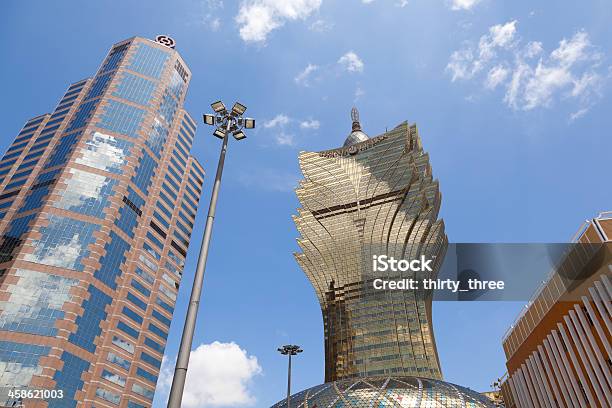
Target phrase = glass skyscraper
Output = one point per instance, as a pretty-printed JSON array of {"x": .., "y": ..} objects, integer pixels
[
  {"x": 373, "y": 196},
  {"x": 370, "y": 197},
  {"x": 97, "y": 204}
]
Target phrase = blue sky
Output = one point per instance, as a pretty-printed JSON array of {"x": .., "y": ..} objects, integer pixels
[{"x": 512, "y": 101}]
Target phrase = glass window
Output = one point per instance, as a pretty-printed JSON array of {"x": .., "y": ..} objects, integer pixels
[
  {"x": 150, "y": 264},
  {"x": 149, "y": 359},
  {"x": 112, "y": 260},
  {"x": 164, "y": 305},
  {"x": 172, "y": 183},
  {"x": 157, "y": 137},
  {"x": 130, "y": 212},
  {"x": 114, "y": 378},
  {"x": 199, "y": 172},
  {"x": 146, "y": 375},
  {"x": 140, "y": 287},
  {"x": 169, "y": 293},
  {"x": 119, "y": 361},
  {"x": 19, "y": 362},
  {"x": 64, "y": 242},
  {"x": 127, "y": 330},
  {"x": 99, "y": 86},
  {"x": 148, "y": 60},
  {"x": 166, "y": 199},
  {"x": 62, "y": 150},
  {"x": 86, "y": 193},
  {"x": 35, "y": 302},
  {"x": 105, "y": 152},
  {"x": 156, "y": 330},
  {"x": 180, "y": 238},
  {"x": 168, "y": 107},
  {"x": 144, "y": 173},
  {"x": 164, "y": 210},
  {"x": 121, "y": 118},
  {"x": 88, "y": 324},
  {"x": 145, "y": 275},
  {"x": 114, "y": 57},
  {"x": 108, "y": 396},
  {"x": 135, "y": 89},
  {"x": 82, "y": 115},
  {"x": 132, "y": 315},
  {"x": 161, "y": 219},
  {"x": 161, "y": 318},
  {"x": 68, "y": 378},
  {"x": 183, "y": 228},
  {"x": 123, "y": 344},
  {"x": 145, "y": 392},
  {"x": 136, "y": 301},
  {"x": 156, "y": 242}
]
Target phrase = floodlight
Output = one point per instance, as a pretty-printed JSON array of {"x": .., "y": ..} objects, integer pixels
[
  {"x": 239, "y": 135},
  {"x": 209, "y": 119},
  {"x": 219, "y": 132},
  {"x": 218, "y": 106},
  {"x": 249, "y": 123},
  {"x": 238, "y": 109}
]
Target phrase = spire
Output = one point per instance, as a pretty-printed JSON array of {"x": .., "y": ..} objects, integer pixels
[
  {"x": 355, "y": 117},
  {"x": 356, "y": 135}
]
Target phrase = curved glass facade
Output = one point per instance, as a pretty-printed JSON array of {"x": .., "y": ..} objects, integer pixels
[
  {"x": 380, "y": 392},
  {"x": 376, "y": 196}
]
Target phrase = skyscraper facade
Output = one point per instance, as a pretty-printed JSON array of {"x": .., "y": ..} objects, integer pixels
[
  {"x": 369, "y": 196},
  {"x": 97, "y": 205},
  {"x": 558, "y": 350},
  {"x": 373, "y": 196}
]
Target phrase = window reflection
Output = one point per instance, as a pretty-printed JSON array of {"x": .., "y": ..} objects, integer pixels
[
  {"x": 64, "y": 243},
  {"x": 35, "y": 302},
  {"x": 105, "y": 152},
  {"x": 86, "y": 193}
]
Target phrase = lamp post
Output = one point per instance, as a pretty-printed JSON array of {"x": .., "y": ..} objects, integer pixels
[
  {"x": 289, "y": 350},
  {"x": 226, "y": 122}
]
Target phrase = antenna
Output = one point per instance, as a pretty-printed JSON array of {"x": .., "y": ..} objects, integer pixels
[{"x": 355, "y": 116}]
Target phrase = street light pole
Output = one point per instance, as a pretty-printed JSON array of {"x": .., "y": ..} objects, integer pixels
[
  {"x": 226, "y": 121},
  {"x": 289, "y": 350}
]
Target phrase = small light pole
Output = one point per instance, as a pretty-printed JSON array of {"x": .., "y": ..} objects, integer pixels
[
  {"x": 289, "y": 350},
  {"x": 226, "y": 122}
]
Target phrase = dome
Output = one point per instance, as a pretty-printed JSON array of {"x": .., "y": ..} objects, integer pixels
[
  {"x": 380, "y": 392},
  {"x": 356, "y": 135}
]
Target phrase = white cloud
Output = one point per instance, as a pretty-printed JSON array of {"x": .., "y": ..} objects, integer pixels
[
  {"x": 257, "y": 18},
  {"x": 464, "y": 4},
  {"x": 467, "y": 62},
  {"x": 219, "y": 375},
  {"x": 402, "y": 3},
  {"x": 310, "y": 124},
  {"x": 496, "y": 76},
  {"x": 321, "y": 26},
  {"x": 303, "y": 78},
  {"x": 533, "y": 49},
  {"x": 286, "y": 128},
  {"x": 210, "y": 18},
  {"x": 351, "y": 62},
  {"x": 531, "y": 78},
  {"x": 278, "y": 120},
  {"x": 359, "y": 93},
  {"x": 215, "y": 24},
  {"x": 578, "y": 114},
  {"x": 285, "y": 139}
]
